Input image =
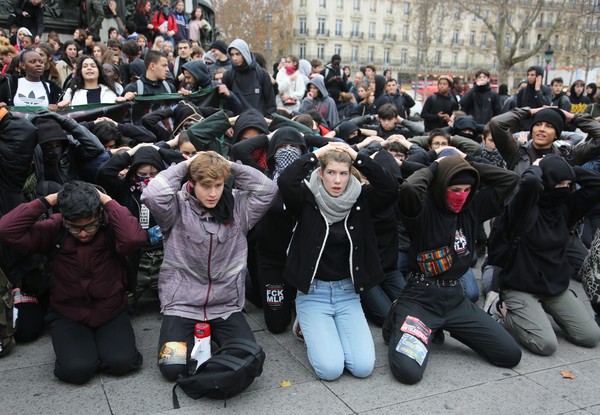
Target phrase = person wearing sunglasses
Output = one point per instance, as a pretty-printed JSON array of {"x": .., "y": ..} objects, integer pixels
[{"x": 87, "y": 241}]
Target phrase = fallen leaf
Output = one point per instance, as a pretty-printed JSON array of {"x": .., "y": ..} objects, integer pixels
[
  {"x": 567, "y": 374},
  {"x": 285, "y": 384}
]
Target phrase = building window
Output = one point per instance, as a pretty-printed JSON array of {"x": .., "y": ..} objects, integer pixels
[
  {"x": 403, "y": 56},
  {"x": 302, "y": 51},
  {"x": 373, "y": 7},
  {"x": 386, "y": 56},
  {"x": 321, "y": 51},
  {"x": 302, "y": 3},
  {"x": 507, "y": 41},
  {"x": 454, "y": 59},
  {"x": 302, "y": 24},
  {"x": 357, "y": 5},
  {"x": 405, "y": 32},
  {"x": 370, "y": 54},
  {"x": 390, "y": 7},
  {"x": 472, "y": 38},
  {"x": 339, "y": 5},
  {"x": 457, "y": 12},
  {"x": 406, "y": 8},
  {"x": 440, "y": 35},
  {"x": 354, "y": 29},
  {"x": 455, "y": 36},
  {"x": 337, "y": 50},
  {"x": 438, "y": 58},
  {"x": 322, "y": 4},
  {"x": 354, "y": 56},
  {"x": 338, "y": 27},
  {"x": 372, "y": 30},
  {"x": 321, "y": 26},
  {"x": 484, "y": 40}
]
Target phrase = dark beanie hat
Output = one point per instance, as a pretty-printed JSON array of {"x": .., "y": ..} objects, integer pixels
[
  {"x": 49, "y": 130},
  {"x": 555, "y": 169},
  {"x": 447, "y": 152},
  {"x": 220, "y": 45},
  {"x": 463, "y": 177},
  {"x": 552, "y": 116}
]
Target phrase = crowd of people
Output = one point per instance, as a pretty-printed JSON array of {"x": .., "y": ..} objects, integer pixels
[{"x": 313, "y": 195}]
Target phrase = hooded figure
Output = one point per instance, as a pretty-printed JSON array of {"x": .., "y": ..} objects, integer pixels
[
  {"x": 442, "y": 207},
  {"x": 200, "y": 73},
  {"x": 250, "y": 83},
  {"x": 465, "y": 126},
  {"x": 286, "y": 145},
  {"x": 321, "y": 101},
  {"x": 535, "y": 280},
  {"x": 529, "y": 97},
  {"x": 249, "y": 119},
  {"x": 380, "y": 95},
  {"x": 346, "y": 131}
]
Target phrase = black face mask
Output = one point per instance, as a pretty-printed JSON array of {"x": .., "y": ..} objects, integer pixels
[
  {"x": 51, "y": 155},
  {"x": 555, "y": 196}
]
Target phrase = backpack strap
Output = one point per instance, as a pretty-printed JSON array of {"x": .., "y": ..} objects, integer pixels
[
  {"x": 167, "y": 86},
  {"x": 140, "y": 87}
]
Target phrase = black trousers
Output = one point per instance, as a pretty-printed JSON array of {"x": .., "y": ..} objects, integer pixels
[
  {"x": 177, "y": 335},
  {"x": 422, "y": 309},
  {"x": 377, "y": 301},
  {"x": 276, "y": 295},
  {"x": 81, "y": 350}
]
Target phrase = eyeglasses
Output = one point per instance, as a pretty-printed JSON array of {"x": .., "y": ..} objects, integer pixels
[{"x": 89, "y": 228}]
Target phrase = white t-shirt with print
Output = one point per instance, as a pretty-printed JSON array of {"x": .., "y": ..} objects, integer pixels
[{"x": 30, "y": 94}]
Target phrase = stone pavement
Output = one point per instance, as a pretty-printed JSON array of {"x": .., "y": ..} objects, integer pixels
[{"x": 457, "y": 381}]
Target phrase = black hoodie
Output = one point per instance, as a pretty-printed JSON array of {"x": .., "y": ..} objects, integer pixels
[{"x": 429, "y": 222}]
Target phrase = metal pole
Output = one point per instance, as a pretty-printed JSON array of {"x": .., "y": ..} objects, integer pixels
[{"x": 269, "y": 19}]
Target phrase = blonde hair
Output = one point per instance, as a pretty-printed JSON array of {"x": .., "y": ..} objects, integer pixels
[
  {"x": 340, "y": 158},
  {"x": 207, "y": 167}
]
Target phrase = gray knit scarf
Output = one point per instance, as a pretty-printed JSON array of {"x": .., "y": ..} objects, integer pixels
[{"x": 334, "y": 209}]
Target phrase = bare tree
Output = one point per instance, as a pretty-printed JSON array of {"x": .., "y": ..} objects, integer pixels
[
  {"x": 248, "y": 20},
  {"x": 428, "y": 16},
  {"x": 584, "y": 46},
  {"x": 509, "y": 20}
]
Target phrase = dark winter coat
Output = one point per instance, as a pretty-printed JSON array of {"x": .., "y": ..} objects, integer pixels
[{"x": 311, "y": 231}]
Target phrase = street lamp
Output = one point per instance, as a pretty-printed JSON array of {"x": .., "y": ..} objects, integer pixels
[{"x": 548, "y": 57}]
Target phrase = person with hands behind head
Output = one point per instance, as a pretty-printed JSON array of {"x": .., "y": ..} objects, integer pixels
[
  {"x": 204, "y": 225},
  {"x": 535, "y": 280},
  {"x": 441, "y": 207},
  {"x": 144, "y": 162},
  {"x": 88, "y": 241},
  {"x": 333, "y": 255}
]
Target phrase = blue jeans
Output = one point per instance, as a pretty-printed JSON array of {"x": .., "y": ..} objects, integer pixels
[
  {"x": 335, "y": 329},
  {"x": 470, "y": 287}
]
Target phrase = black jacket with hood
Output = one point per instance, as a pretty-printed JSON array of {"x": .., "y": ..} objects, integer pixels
[
  {"x": 431, "y": 225},
  {"x": 121, "y": 190},
  {"x": 80, "y": 147},
  {"x": 540, "y": 264},
  {"x": 250, "y": 83}
]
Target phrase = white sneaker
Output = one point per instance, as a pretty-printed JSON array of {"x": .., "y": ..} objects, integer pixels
[
  {"x": 493, "y": 306},
  {"x": 297, "y": 330}
]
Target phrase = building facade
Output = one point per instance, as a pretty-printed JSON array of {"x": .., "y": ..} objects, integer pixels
[{"x": 421, "y": 36}]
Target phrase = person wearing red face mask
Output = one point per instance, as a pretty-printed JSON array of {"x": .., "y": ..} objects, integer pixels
[{"x": 441, "y": 207}]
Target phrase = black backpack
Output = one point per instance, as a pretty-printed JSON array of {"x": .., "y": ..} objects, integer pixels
[{"x": 227, "y": 373}]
